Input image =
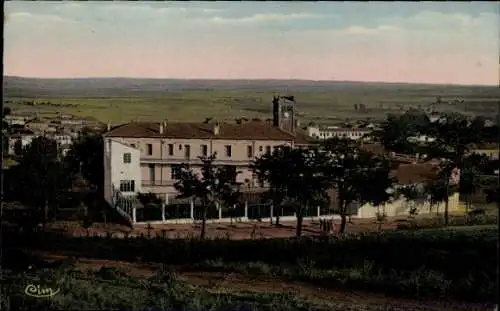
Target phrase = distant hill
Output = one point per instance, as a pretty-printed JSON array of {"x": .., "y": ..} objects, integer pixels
[{"x": 117, "y": 87}]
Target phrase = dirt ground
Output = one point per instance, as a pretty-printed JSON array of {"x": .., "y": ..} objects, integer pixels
[
  {"x": 235, "y": 231},
  {"x": 219, "y": 282}
]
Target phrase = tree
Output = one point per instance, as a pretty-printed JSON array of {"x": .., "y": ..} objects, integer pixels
[
  {"x": 42, "y": 176},
  {"x": 470, "y": 182},
  {"x": 396, "y": 130},
  {"x": 214, "y": 185},
  {"x": 454, "y": 138},
  {"x": 5, "y": 128},
  {"x": 294, "y": 175},
  {"x": 413, "y": 194},
  {"x": 86, "y": 158},
  {"x": 270, "y": 169},
  {"x": 356, "y": 175},
  {"x": 437, "y": 188}
]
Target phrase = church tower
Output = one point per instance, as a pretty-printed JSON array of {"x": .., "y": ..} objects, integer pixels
[{"x": 284, "y": 113}]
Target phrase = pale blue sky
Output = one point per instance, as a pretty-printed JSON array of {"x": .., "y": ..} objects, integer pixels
[{"x": 395, "y": 42}]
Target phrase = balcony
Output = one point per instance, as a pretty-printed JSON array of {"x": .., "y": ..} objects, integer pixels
[
  {"x": 157, "y": 183},
  {"x": 192, "y": 161}
]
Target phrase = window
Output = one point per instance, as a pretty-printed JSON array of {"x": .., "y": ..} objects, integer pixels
[
  {"x": 276, "y": 148},
  {"x": 228, "y": 151},
  {"x": 150, "y": 149},
  {"x": 127, "y": 157},
  {"x": 268, "y": 149},
  {"x": 261, "y": 148},
  {"x": 175, "y": 173},
  {"x": 151, "y": 173},
  {"x": 187, "y": 151},
  {"x": 127, "y": 185},
  {"x": 133, "y": 145},
  {"x": 249, "y": 151},
  {"x": 204, "y": 150},
  {"x": 170, "y": 149}
]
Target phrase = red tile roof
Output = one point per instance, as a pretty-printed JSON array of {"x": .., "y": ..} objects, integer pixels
[{"x": 247, "y": 131}]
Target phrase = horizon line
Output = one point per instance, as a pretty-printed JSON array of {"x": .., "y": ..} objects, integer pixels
[{"x": 252, "y": 79}]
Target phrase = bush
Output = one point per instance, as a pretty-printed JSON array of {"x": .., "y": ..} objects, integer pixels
[
  {"x": 438, "y": 222},
  {"x": 453, "y": 253}
]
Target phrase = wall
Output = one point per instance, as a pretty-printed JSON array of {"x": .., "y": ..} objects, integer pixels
[
  {"x": 402, "y": 207},
  {"x": 160, "y": 148},
  {"x": 162, "y": 161},
  {"x": 108, "y": 186},
  {"x": 119, "y": 170}
]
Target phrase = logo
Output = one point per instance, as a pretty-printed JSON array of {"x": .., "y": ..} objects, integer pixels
[{"x": 39, "y": 291}]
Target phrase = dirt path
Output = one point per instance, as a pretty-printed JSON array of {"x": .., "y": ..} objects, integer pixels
[{"x": 219, "y": 282}]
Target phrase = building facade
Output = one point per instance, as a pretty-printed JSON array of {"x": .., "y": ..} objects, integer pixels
[
  {"x": 323, "y": 133},
  {"x": 146, "y": 157}
]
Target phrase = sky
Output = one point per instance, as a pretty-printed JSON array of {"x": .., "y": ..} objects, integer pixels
[{"x": 421, "y": 42}]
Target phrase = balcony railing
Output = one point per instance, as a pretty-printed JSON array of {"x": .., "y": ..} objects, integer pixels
[
  {"x": 158, "y": 182},
  {"x": 193, "y": 161}
]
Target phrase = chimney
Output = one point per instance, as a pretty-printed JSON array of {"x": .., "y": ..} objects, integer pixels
[
  {"x": 108, "y": 127},
  {"x": 216, "y": 128},
  {"x": 163, "y": 126}
]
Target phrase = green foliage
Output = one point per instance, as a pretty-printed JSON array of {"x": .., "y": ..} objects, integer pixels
[
  {"x": 362, "y": 261},
  {"x": 357, "y": 175},
  {"x": 396, "y": 130},
  {"x": 41, "y": 177},
  {"x": 215, "y": 185},
  {"x": 296, "y": 175},
  {"x": 86, "y": 158}
]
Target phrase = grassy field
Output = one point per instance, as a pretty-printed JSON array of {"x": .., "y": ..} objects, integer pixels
[
  {"x": 127, "y": 99},
  {"x": 444, "y": 269}
]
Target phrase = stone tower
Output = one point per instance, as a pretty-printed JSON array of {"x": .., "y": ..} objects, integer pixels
[{"x": 284, "y": 113}]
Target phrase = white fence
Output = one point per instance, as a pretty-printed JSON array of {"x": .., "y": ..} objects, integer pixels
[{"x": 187, "y": 213}]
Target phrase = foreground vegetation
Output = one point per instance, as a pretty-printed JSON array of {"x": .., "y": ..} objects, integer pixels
[
  {"x": 440, "y": 263},
  {"x": 112, "y": 289}
]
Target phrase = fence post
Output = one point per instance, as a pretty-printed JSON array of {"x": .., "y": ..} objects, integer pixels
[
  {"x": 134, "y": 217},
  {"x": 272, "y": 211},
  {"x": 246, "y": 209},
  {"x": 163, "y": 212},
  {"x": 319, "y": 211},
  {"x": 192, "y": 209},
  {"x": 220, "y": 210}
]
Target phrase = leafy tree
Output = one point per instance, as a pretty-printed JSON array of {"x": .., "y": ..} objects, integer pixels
[
  {"x": 85, "y": 158},
  {"x": 470, "y": 182},
  {"x": 454, "y": 138},
  {"x": 414, "y": 194},
  {"x": 396, "y": 130},
  {"x": 5, "y": 128},
  {"x": 356, "y": 175},
  {"x": 214, "y": 185},
  {"x": 270, "y": 169},
  {"x": 437, "y": 188},
  {"x": 42, "y": 177},
  {"x": 296, "y": 176}
]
